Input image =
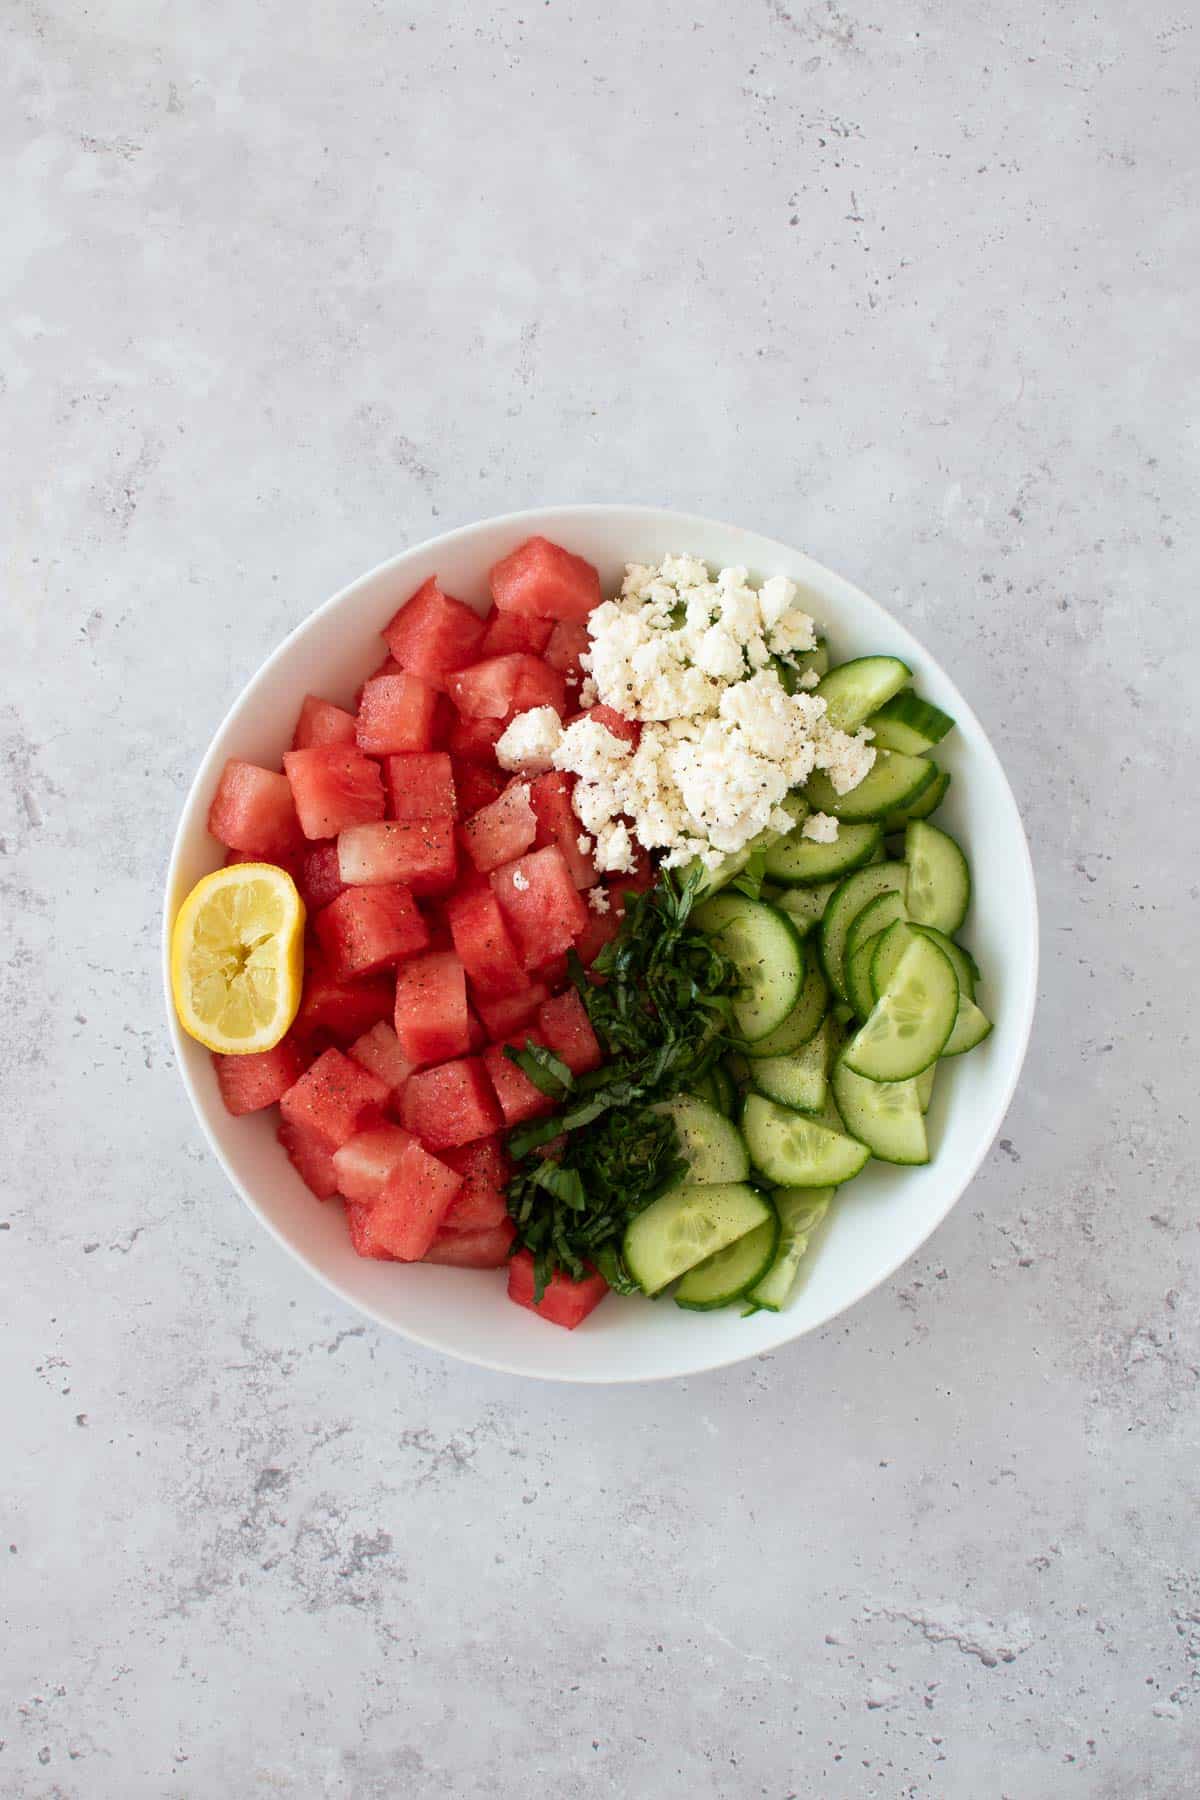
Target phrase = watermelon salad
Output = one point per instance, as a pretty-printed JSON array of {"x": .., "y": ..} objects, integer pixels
[{"x": 606, "y": 996}]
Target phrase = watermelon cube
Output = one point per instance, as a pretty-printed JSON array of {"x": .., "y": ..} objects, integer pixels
[
  {"x": 565, "y": 1302},
  {"x": 334, "y": 786},
  {"x": 253, "y": 811},
  {"x": 544, "y": 579},
  {"x": 567, "y": 643},
  {"x": 564, "y": 1025},
  {"x": 321, "y": 722},
  {"x": 600, "y": 929},
  {"x": 476, "y": 786},
  {"x": 248, "y": 1083},
  {"x": 504, "y": 685},
  {"x": 541, "y": 904},
  {"x": 395, "y": 714},
  {"x": 484, "y": 943},
  {"x": 311, "y": 1158},
  {"x": 379, "y": 1050},
  {"x": 486, "y": 1249},
  {"x": 341, "y": 1007},
  {"x": 420, "y": 785},
  {"x": 499, "y": 832},
  {"x": 433, "y": 633},
  {"x": 318, "y": 876},
  {"x": 481, "y": 1203},
  {"x": 451, "y": 1104},
  {"x": 550, "y": 796},
  {"x": 519, "y": 1098},
  {"x": 503, "y": 1014},
  {"x": 363, "y": 1163},
  {"x": 358, "y": 1221},
  {"x": 431, "y": 1008},
  {"x": 370, "y": 928},
  {"x": 334, "y": 1099},
  {"x": 507, "y": 632},
  {"x": 405, "y": 1219},
  {"x": 422, "y": 855},
  {"x": 474, "y": 740}
]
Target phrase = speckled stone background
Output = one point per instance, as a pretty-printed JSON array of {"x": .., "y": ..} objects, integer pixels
[{"x": 289, "y": 286}]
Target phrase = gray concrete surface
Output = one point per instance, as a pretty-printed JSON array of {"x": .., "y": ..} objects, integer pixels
[{"x": 287, "y": 287}]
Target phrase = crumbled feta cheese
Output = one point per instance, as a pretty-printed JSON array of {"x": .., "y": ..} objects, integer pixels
[
  {"x": 809, "y": 679},
  {"x": 614, "y": 848},
  {"x": 598, "y": 899},
  {"x": 520, "y": 880},
  {"x": 822, "y": 828},
  {"x": 528, "y": 744},
  {"x": 583, "y": 844},
  {"x": 589, "y": 693}
]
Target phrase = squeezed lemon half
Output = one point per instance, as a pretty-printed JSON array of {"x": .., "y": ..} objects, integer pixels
[{"x": 237, "y": 958}]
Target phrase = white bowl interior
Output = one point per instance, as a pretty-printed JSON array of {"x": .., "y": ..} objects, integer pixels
[{"x": 878, "y": 1221}]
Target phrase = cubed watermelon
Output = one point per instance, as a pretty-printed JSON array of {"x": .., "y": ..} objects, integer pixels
[
  {"x": 396, "y": 714},
  {"x": 363, "y": 1163},
  {"x": 248, "y": 1083},
  {"x": 544, "y": 579},
  {"x": 499, "y": 832},
  {"x": 484, "y": 943},
  {"x": 405, "y": 1219},
  {"x": 431, "y": 1008},
  {"x": 370, "y": 928},
  {"x": 310, "y": 1156},
  {"x": 253, "y": 811},
  {"x": 334, "y": 1099},
  {"x": 343, "y": 1008},
  {"x": 503, "y": 1014},
  {"x": 433, "y": 633},
  {"x": 379, "y": 1050},
  {"x": 541, "y": 905},
  {"x": 519, "y": 1098},
  {"x": 472, "y": 1249},
  {"x": 445, "y": 713},
  {"x": 476, "y": 785},
  {"x": 451, "y": 1104},
  {"x": 507, "y": 632},
  {"x": 565, "y": 1302},
  {"x": 358, "y": 1222},
  {"x": 600, "y": 929},
  {"x": 480, "y": 1203},
  {"x": 474, "y": 740},
  {"x": 504, "y": 685},
  {"x": 567, "y": 643},
  {"x": 420, "y": 786},
  {"x": 321, "y": 722},
  {"x": 557, "y": 824},
  {"x": 422, "y": 855},
  {"x": 318, "y": 876},
  {"x": 334, "y": 786},
  {"x": 564, "y": 1025}
]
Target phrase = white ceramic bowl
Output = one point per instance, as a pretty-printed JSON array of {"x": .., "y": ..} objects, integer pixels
[{"x": 879, "y": 1220}]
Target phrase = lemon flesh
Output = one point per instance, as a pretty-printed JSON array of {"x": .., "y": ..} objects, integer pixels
[{"x": 237, "y": 953}]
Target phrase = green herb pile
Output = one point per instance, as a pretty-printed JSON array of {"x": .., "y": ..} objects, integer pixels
[{"x": 662, "y": 1015}]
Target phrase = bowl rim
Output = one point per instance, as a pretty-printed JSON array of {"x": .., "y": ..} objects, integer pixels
[{"x": 537, "y": 519}]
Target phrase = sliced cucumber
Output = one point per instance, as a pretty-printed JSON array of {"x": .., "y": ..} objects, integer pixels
[
  {"x": 849, "y": 899},
  {"x": 890, "y": 946},
  {"x": 768, "y": 954},
  {"x": 884, "y": 1115},
  {"x": 875, "y": 917},
  {"x": 925, "y": 1081},
  {"x": 858, "y": 978},
  {"x": 971, "y": 1026},
  {"x": 816, "y": 659},
  {"x": 965, "y": 967},
  {"x": 912, "y": 1019},
  {"x": 794, "y": 1150},
  {"x": 926, "y": 803},
  {"x": 803, "y": 1020},
  {"x": 686, "y": 1224},
  {"x": 854, "y": 690},
  {"x": 727, "y": 1274},
  {"x": 797, "y": 861},
  {"x": 907, "y": 723},
  {"x": 716, "y": 1087},
  {"x": 892, "y": 782},
  {"x": 805, "y": 905},
  {"x": 709, "y": 1142},
  {"x": 800, "y": 1080},
  {"x": 800, "y": 1211},
  {"x": 939, "y": 881}
]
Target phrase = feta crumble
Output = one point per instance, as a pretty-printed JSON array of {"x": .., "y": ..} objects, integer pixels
[
  {"x": 528, "y": 744},
  {"x": 598, "y": 899},
  {"x": 520, "y": 881},
  {"x": 822, "y": 828}
]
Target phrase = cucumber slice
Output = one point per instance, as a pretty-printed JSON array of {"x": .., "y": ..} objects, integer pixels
[
  {"x": 768, "y": 954},
  {"x": 892, "y": 782},
  {"x": 925, "y": 1082},
  {"x": 875, "y": 917},
  {"x": 800, "y": 1080},
  {"x": 939, "y": 881},
  {"x": 886, "y": 1116},
  {"x": 927, "y": 803},
  {"x": 849, "y": 899},
  {"x": 685, "y": 1225},
  {"x": 912, "y": 1019},
  {"x": 805, "y": 905},
  {"x": 709, "y": 1142},
  {"x": 890, "y": 946},
  {"x": 971, "y": 1026},
  {"x": 965, "y": 967},
  {"x": 800, "y": 1211},
  {"x": 858, "y": 978},
  {"x": 816, "y": 659},
  {"x": 717, "y": 1089},
  {"x": 909, "y": 724},
  {"x": 727, "y": 1274},
  {"x": 854, "y": 690},
  {"x": 803, "y": 1020},
  {"x": 796, "y": 1151},
  {"x": 797, "y": 861}
]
